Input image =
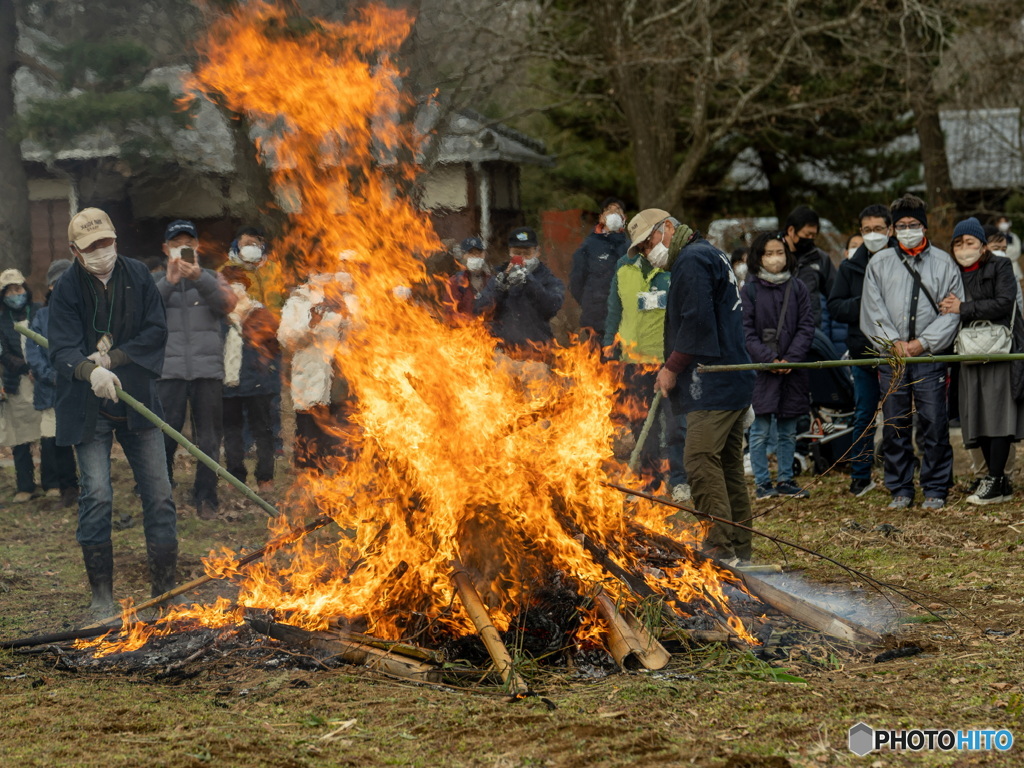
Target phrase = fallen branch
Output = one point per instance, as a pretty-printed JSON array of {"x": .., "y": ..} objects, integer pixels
[{"x": 630, "y": 644}]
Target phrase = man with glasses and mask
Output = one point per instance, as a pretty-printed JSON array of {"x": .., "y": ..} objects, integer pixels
[
  {"x": 844, "y": 307},
  {"x": 107, "y": 330},
  {"x": 900, "y": 315},
  {"x": 593, "y": 265},
  {"x": 704, "y": 324},
  {"x": 813, "y": 265}
]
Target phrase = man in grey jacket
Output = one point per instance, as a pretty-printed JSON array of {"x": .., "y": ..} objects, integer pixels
[
  {"x": 899, "y": 314},
  {"x": 196, "y": 301}
]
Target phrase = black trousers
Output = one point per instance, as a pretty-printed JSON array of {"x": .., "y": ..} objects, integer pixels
[
  {"x": 205, "y": 396},
  {"x": 57, "y": 468},
  {"x": 24, "y": 468},
  {"x": 315, "y": 446},
  {"x": 258, "y": 410}
]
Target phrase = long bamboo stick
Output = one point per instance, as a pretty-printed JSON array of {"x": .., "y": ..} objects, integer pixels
[
  {"x": 514, "y": 684},
  {"x": 634, "y": 459},
  {"x": 868, "y": 361},
  {"x": 175, "y": 435}
]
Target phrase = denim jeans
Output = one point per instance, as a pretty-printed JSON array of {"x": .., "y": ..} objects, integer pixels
[
  {"x": 866, "y": 395},
  {"x": 145, "y": 452},
  {"x": 674, "y": 436},
  {"x": 57, "y": 465},
  {"x": 922, "y": 390},
  {"x": 760, "y": 435},
  {"x": 24, "y": 468}
]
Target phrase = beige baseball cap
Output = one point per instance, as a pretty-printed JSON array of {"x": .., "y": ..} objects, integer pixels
[
  {"x": 641, "y": 226},
  {"x": 89, "y": 225}
]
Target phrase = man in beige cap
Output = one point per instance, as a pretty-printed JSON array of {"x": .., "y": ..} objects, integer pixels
[{"x": 107, "y": 331}]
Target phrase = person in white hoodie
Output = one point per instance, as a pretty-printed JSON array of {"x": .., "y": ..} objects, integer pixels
[{"x": 314, "y": 323}]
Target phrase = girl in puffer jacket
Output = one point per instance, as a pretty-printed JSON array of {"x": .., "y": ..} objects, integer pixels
[{"x": 779, "y": 325}]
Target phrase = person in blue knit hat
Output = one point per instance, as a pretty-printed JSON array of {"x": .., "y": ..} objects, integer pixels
[{"x": 990, "y": 414}]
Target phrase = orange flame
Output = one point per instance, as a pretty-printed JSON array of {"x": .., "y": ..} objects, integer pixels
[{"x": 463, "y": 454}]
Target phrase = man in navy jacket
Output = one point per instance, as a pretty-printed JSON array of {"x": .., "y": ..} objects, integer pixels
[
  {"x": 704, "y": 324},
  {"x": 107, "y": 330}
]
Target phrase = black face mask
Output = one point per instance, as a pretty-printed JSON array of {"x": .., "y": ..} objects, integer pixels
[{"x": 804, "y": 245}]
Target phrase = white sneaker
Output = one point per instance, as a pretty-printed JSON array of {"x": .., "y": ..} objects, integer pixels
[{"x": 681, "y": 493}]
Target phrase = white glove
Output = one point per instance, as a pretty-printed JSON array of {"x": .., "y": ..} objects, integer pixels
[
  {"x": 104, "y": 383},
  {"x": 102, "y": 359}
]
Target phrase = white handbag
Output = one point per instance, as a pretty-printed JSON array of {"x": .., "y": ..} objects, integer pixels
[{"x": 983, "y": 337}]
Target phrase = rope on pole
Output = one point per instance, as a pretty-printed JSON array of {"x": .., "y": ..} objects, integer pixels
[
  {"x": 868, "y": 361},
  {"x": 175, "y": 435}
]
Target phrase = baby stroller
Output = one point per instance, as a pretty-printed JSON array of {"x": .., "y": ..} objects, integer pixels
[{"x": 827, "y": 434}]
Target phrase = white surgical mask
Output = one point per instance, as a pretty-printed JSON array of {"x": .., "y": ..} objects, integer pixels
[
  {"x": 910, "y": 238},
  {"x": 658, "y": 256},
  {"x": 741, "y": 271},
  {"x": 999, "y": 253},
  {"x": 101, "y": 261},
  {"x": 176, "y": 252},
  {"x": 850, "y": 252},
  {"x": 1004, "y": 227},
  {"x": 531, "y": 264},
  {"x": 875, "y": 241},
  {"x": 475, "y": 263},
  {"x": 250, "y": 253},
  {"x": 774, "y": 264},
  {"x": 967, "y": 257},
  {"x": 613, "y": 222}
]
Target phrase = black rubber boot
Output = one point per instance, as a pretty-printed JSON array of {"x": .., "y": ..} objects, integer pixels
[
  {"x": 163, "y": 564},
  {"x": 99, "y": 567}
]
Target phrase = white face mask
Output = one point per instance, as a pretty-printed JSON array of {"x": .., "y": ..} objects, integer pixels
[
  {"x": 1004, "y": 227},
  {"x": 967, "y": 257},
  {"x": 774, "y": 264},
  {"x": 875, "y": 241},
  {"x": 613, "y": 222},
  {"x": 741, "y": 271},
  {"x": 910, "y": 238},
  {"x": 101, "y": 261},
  {"x": 531, "y": 264},
  {"x": 999, "y": 253},
  {"x": 658, "y": 256},
  {"x": 850, "y": 252},
  {"x": 475, "y": 263},
  {"x": 176, "y": 252},
  {"x": 250, "y": 254}
]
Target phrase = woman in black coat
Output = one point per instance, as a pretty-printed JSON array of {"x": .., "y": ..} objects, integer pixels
[{"x": 990, "y": 416}]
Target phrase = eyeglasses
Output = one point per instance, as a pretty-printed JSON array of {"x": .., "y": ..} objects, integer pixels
[
  {"x": 908, "y": 227},
  {"x": 879, "y": 230}
]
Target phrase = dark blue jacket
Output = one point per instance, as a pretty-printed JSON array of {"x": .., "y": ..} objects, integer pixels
[
  {"x": 45, "y": 393},
  {"x": 522, "y": 314},
  {"x": 844, "y": 301},
  {"x": 261, "y": 356},
  {"x": 705, "y": 320},
  {"x": 593, "y": 266},
  {"x": 14, "y": 363},
  {"x": 144, "y": 339},
  {"x": 785, "y": 395}
]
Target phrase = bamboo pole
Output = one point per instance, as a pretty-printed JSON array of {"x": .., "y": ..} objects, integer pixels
[
  {"x": 634, "y": 458},
  {"x": 349, "y": 651},
  {"x": 514, "y": 684},
  {"x": 175, "y": 435},
  {"x": 630, "y": 648},
  {"x": 868, "y": 361}
]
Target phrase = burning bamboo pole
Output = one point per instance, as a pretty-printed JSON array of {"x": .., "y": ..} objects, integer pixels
[
  {"x": 389, "y": 662},
  {"x": 645, "y": 431},
  {"x": 630, "y": 644},
  {"x": 481, "y": 619}
]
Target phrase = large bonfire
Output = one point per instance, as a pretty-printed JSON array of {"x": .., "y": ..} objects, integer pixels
[{"x": 463, "y": 457}]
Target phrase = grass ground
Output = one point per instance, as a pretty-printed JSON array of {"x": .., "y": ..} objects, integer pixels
[{"x": 710, "y": 708}]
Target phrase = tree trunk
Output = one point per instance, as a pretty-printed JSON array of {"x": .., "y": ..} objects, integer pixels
[
  {"x": 15, "y": 222},
  {"x": 937, "y": 181}
]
